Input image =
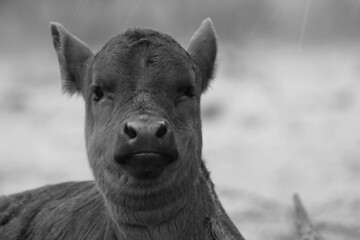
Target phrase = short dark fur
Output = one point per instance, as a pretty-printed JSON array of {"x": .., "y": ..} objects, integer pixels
[{"x": 140, "y": 74}]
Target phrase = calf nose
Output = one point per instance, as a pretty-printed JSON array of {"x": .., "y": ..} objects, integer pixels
[
  {"x": 146, "y": 146},
  {"x": 142, "y": 129}
]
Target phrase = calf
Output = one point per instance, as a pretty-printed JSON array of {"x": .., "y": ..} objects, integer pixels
[{"x": 143, "y": 139}]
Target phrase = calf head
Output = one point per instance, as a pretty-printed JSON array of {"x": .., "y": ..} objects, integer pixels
[{"x": 142, "y": 96}]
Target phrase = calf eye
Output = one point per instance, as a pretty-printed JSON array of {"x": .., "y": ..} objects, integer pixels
[
  {"x": 189, "y": 91},
  {"x": 185, "y": 93},
  {"x": 98, "y": 94}
]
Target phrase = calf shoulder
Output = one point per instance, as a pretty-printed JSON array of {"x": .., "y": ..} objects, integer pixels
[{"x": 72, "y": 210}]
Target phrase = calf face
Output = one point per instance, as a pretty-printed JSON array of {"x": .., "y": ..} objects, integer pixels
[{"x": 142, "y": 96}]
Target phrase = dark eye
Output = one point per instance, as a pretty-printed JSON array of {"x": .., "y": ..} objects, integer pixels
[
  {"x": 185, "y": 93},
  {"x": 98, "y": 94},
  {"x": 189, "y": 92}
]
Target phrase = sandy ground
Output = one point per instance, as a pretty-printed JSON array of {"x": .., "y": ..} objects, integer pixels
[{"x": 275, "y": 122}]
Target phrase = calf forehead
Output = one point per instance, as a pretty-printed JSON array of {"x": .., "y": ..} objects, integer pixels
[{"x": 141, "y": 56}]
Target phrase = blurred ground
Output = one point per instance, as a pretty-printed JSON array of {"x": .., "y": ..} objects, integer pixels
[{"x": 281, "y": 116}]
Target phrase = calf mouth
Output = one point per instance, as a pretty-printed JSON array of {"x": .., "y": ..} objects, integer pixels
[{"x": 146, "y": 164}]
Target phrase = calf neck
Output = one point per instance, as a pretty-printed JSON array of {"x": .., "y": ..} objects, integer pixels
[{"x": 143, "y": 135}]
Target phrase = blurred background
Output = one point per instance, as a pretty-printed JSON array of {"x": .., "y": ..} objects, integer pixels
[{"x": 281, "y": 117}]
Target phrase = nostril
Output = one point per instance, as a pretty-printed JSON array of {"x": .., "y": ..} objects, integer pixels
[
  {"x": 130, "y": 130},
  {"x": 162, "y": 129}
]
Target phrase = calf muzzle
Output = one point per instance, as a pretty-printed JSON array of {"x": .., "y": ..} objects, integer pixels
[{"x": 146, "y": 146}]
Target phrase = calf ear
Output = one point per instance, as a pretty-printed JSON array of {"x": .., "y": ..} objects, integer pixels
[
  {"x": 202, "y": 47},
  {"x": 72, "y": 55}
]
